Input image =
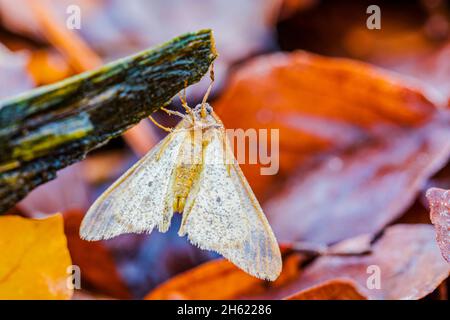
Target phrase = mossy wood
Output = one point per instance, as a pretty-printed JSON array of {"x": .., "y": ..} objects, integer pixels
[{"x": 51, "y": 127}]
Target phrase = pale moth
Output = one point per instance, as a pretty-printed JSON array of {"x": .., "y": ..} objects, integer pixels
[{"x": 192, "y": 171}]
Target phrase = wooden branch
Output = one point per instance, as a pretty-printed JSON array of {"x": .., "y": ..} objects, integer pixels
[{"x": 51, "y": 127}]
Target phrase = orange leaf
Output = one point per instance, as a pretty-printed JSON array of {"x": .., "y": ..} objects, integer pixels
[
  {"x": 376, "y": 182},
  {"x": 407, "y": 256},
  {"x": 220, "y": 279},
  {"x": 336, "y": 289},
  {"x": 34, "y": 258},
  {"x": 406, "y": 259},
  {"x": 98, "y": 268},
  {"x": 357, "y": 143},
  {"x": 319, "y": 104}
]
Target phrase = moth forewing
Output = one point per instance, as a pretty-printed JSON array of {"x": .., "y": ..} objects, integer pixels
[
  {"x": 223, "y": 215},
  {"x": 140, "y": 199}
]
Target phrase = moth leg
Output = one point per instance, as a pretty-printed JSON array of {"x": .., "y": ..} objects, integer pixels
[
  {"x": 185, "y": 105},
  {"x": 160, "y": 125},
  {"x": 227, "y": 161},
  {"x": 164, "y": 146},
  {"x": 211, "y": 75},
  {"x": 171, "y": 112}
]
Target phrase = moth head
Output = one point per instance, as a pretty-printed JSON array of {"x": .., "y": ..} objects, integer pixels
[
  {"x": 205, "y": 118},
  {"x": 198, "y": 109}
]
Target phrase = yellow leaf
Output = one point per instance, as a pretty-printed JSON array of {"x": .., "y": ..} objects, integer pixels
[{"x": 33, "y": 258}]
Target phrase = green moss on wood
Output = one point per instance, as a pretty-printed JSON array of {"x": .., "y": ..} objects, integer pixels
[{"x": 51, "y": 127}]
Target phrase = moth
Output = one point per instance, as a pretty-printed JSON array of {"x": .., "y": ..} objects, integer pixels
[{"x": 192, "y": 171}]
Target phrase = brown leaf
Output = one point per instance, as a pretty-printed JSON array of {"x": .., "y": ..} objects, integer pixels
[
  {"x": 408, "y": 259},
  {"x": 439, "y": 200},
  {"x": 356, "y": 142},
  {"x": 217, "y": 279},
  {"x": 68, "y": 191},
  {"x": 98, "y": 268},
  {"x": 358, "y": 245},
  {"x": 335, "y": 289},
  {"x": 377, "y": 182},
  {"x": 408, "y": 44},
  {"x": 319, "y": 105},
  {"x": 220, "y": 279},
  {"x": 407, "y": 256}
]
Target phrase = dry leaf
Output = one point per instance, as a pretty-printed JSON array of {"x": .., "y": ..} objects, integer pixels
[
  {"x": 377, "y": 182},
  {"x": 407, "y": 256},
  {"x": 146, "y": 261},
  {"x": 213, "y": 280},
  {"x": 356, "y": 142},
  {"x": 413, "y": 40},
  {"x": 48, "y": 66},
  {"x": 68, "y": 191},
  {"x": 335, "y": 289},
  {"x": 98, "y": 268},
  {"x": 220, "y": 279},
  {"x": 34, "y": 259},
  {"x": 440, "y": 216},
  {"x": 319, "y": 105}
]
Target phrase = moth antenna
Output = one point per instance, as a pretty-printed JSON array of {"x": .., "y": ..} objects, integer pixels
[
  {"x": 160, "y": 125},
  {"x": 211, "y": 75},
  {"x": 171, "y": 112},
  {"x": 184, "y": 103}
]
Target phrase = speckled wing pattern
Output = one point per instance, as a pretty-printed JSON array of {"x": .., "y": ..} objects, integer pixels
[
  {"x": 140, "y": 199},
  {"x": 222, "y": 214}
]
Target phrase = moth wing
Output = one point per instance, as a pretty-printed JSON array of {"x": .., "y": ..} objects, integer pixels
[
  {"x": 140, "y": 199},
  {"x": 222, "y": 214}
]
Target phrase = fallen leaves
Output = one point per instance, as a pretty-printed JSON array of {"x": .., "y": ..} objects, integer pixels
[
  {"x": 336, "y": 289},
  {"x": 97, "y": 265},
  {"x": 377, "y": 182},
  {"x": 114, "y": 29},
  {"x": 212, "y": 280},
  {"x": 439, "y": 200},
  {"x": 220, "y": 279},
  {"x": 331, "y": 88},
  {"x": 319, "y": 104},
  {"x": 357, "y": 143},
  {"x": 35, "y": 259},
  {"x": 406, "y": 257}
]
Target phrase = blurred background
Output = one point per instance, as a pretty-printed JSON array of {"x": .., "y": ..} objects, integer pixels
[{"x": 341, "y": 171}]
